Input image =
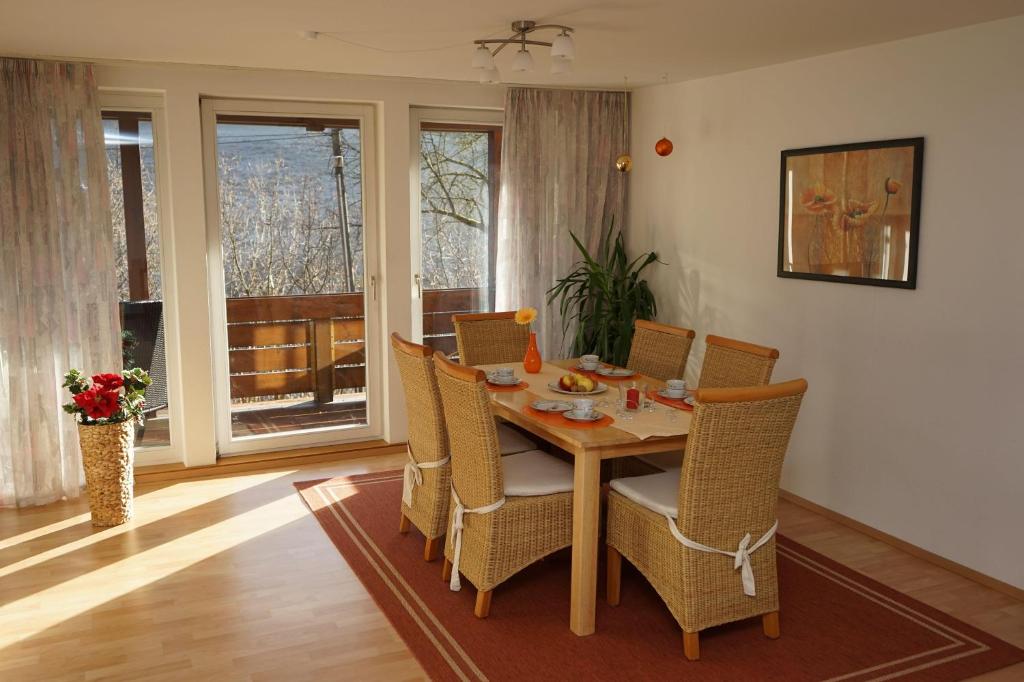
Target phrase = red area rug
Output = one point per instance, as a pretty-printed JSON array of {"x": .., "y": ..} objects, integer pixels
[{"x": 836, "y": 623}]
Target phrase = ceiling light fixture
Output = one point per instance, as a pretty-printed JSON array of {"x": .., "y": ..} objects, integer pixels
[{"x": 563, "y": 50}]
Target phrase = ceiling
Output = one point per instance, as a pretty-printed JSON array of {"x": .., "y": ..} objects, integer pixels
[{"x": 644, "y": 40}]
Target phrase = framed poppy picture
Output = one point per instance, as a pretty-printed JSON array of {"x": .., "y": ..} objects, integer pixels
[{"x": 851, "y": 212}]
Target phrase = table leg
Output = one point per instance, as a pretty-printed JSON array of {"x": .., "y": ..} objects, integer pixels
[{"x": 586, "y": 509}]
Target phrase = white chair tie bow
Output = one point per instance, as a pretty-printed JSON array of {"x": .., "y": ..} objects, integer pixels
[
  {"x": 457, "y": 518},
  {"x": 741, "y": 557},
  {"x": 414, "y": 475}
]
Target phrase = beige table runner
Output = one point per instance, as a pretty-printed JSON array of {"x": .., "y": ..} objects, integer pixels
[{"x": 644, "y": 424}]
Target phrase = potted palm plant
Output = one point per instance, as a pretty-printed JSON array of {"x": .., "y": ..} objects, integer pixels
[
  {"x": 602, "y": 298},
  {"x": 108, "y": 407}
]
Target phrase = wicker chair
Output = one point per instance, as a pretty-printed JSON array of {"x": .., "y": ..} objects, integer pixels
[
  {"x": 427, "y": 474},
  {"x": 676, "y": 525},
  {"x": 427, "y": 486},
  {"x": 506, "y": 512},
  {"x": 730, "y": 364},
  {"x": 487, "y": 338},
  {"x": 659, "y": 350},
  {"x": 727, "y": 364}
]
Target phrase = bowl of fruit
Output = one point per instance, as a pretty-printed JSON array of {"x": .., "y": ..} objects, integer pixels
[{"x": 577, "y": 384}]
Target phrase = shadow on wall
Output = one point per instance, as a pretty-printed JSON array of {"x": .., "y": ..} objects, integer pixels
[{"x": 680, "y": 304}]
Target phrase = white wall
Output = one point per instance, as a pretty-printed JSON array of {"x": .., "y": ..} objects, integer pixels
[
  {"x": 182, "y": 86},
  {"x": 913, "y": 421}
]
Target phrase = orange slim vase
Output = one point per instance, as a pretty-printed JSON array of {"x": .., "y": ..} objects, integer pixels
[{"x": 532, "y": 361}]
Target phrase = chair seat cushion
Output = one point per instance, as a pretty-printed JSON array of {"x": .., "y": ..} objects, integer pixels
[
  {"x": 535, "y": 473},
  {"x": 510, "y": 441},
  {"x": 658, "y": 492}
]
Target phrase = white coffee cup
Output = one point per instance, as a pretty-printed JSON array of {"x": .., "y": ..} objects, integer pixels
[
  {"x": 590, "y": 362},
  {"x": 583, "y": 406},
  {"x": 505, "y": 372},
  {"x": 675, "y": 388}
]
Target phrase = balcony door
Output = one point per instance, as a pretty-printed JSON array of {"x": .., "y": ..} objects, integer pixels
[
  {"x": 292, "y": 243},
  {"x": 457, "y": 162}
]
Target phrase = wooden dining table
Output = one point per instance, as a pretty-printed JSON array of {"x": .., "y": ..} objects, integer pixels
[{"x": 588, "y": 448}]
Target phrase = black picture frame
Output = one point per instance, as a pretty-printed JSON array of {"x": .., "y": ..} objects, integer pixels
[{"x": 917, "y": 145}]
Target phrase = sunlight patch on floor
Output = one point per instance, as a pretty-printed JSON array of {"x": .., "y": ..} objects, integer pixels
[
  {"x": 79, "y": 595},
  {"x": 28, "y": 535},
  {"x": 182, "y": 501}
]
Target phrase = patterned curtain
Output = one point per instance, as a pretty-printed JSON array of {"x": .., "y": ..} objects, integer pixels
[
  {"x": 557, "y": 175},
  {"x": 58, "y": 300}
]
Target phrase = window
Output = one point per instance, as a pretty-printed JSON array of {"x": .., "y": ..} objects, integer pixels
[
  {"x": 459, "y": 181},
  {"x": 291, "y": 232},
  {"x": 131, "y": 170}
]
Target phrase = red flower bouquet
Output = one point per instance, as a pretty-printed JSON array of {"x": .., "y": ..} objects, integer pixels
[{"x": 107, "y": 398}]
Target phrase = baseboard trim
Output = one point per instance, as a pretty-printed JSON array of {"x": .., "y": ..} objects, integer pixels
[
  {"x": 226, "y": 466},
  {"x": 913, "y": 550}
]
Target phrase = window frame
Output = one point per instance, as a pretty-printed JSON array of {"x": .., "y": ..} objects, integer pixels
[
  {"x": 152, "y": 105},
  {"x": 214, "y": 109},
  {"x": 489, "y": 121}
]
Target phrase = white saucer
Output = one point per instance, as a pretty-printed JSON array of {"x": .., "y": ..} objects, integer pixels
[
  {"x": 618, "y": 372},
  {"x": 551, "y": 405},
  {"x": 581, "y": 368},
  {"x": 689, "y": 400},
  {"x": 501, "y": 381},
  {"x": 577, "y": 417},
  {"x": 664, "y": 394}
]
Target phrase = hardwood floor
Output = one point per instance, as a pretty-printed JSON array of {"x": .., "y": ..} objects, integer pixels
[{"x": 231, "y": 578}]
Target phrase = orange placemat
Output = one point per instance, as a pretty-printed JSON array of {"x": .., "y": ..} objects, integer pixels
[
  {"x": 556, "y": 419},
  {"x": 671, "y": 402},
  {"x": 521, "y": 386}
]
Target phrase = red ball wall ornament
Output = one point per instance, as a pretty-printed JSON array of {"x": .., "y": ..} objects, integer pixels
[{"x": 663, "y": 147}]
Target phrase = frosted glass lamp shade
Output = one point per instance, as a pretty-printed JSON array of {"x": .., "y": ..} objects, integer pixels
[
  {"x": 560, "y": 65},
  {"x": 563, "y": 47},
  {"x": 490, "y": 75},
  {"x": 482, "y": 58},
  {"x": 523, "y": 61}
]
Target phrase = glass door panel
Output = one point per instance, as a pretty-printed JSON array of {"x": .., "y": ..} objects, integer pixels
[
  {"x": 131, "y": 171},
  {"x": 459, "y": 181},
  {"x": 292, "y": 257}
]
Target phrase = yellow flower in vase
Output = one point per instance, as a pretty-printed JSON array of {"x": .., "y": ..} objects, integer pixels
[
  {"x": 532, "y": 362},
  {"x": 526, "y": 315}
]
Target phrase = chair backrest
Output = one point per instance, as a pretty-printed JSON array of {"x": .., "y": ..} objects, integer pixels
[
  {"x": 729, "y": 363},
  {"x": 476, "y": 465},
  {"x": 428, "y": 438},
  {"x": 659, "y": 350},
  {"x": 486, "y": 338},
  {"x": 729, "y": 483}
]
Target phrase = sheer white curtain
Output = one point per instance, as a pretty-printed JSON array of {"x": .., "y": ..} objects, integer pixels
[
  {"x": 58, "y": 300},
  {"x": 557, "y": 175}
]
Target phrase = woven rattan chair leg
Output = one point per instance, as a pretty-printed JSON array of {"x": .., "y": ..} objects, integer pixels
[
  {"x": 446, "y": 570},
  {"x": 403, "y": 525},
  {"x": 691, "y": 645},
  {"x": 483, "y": 603},
  {"x": 614, "y": 576},
  {"x": 770, "y": 621},
  {"x": 431, "y": 548}
]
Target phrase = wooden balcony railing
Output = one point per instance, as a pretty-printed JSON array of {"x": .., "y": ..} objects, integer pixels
[{"x": 281, "y": 345}]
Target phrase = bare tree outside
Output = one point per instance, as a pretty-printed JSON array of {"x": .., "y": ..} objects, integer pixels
[
  {"x": 455, "y": 209},
  {"x": 281, "y": 221},
  {"x": 284, "y": 213}
]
